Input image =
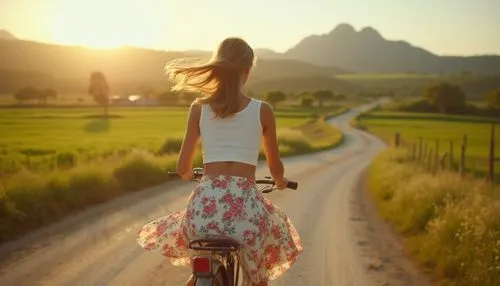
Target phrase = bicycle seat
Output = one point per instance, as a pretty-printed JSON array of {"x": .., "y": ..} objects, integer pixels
[{"x": 215, "y": 242}]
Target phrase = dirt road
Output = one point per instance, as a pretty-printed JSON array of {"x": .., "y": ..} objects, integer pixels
[{"x": 343, "y": 245}]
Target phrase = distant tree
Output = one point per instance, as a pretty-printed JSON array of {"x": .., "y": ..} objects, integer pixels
[
  {"x": 448, "y": 98},
  {"x": 48, "y": 93},
  {"x": 275, "y": 97},
  {"x": 493, "y": 99},
  {"x": 99, "y": 90},
  {"x": 27, "y": 93},
  {"x": 168, "y": 98},
  {"x": 323, "y": 95},
  {"x": 306, "y": 101}
]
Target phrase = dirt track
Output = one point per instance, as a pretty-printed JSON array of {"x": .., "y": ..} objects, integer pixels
[{"x": 344, "y": 242}]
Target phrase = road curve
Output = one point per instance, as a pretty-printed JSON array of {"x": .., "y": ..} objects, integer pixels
[{"x": 98, "y": 246}]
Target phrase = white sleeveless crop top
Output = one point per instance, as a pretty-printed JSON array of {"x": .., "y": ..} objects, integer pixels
[{"x": 236, "y": 138}]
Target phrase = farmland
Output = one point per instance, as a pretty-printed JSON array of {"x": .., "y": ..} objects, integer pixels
[
  {"x": 59, "y": 160},
  {"x": 444, "y": 128},
  {"x": 41, "y": 133}
]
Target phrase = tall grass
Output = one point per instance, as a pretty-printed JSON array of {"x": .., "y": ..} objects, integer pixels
[{"x": 451, "y": 224}]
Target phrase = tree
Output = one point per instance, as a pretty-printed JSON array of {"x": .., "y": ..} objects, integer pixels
[
  {"x": 306, "y": 101},
  {"x": 48, "y": 93},
  {"x": 99, "y": 89},
  {"x": 27, "y": 93},
  {"x": 323, "y": 95},
  {"x": 168, "y": 98},
  {"x": 493, "y": 99},
  {"x": 275, "y": 97},
  {"x": 448, "y": 98}
]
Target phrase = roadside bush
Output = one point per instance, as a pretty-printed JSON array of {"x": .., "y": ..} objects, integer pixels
[
  {"x": 142, "y": 170},
  {"x": 66, "y": 160},
  {"x": 171, "y": 146},
  {"x": 452, "y": 224}
]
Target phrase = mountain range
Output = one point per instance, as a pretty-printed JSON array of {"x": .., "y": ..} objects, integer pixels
[{"x": 342, "y": 50}]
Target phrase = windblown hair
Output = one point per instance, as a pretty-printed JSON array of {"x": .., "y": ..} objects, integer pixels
[{"x": 219, "y": 79}]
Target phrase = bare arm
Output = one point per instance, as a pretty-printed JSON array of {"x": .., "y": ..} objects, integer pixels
[
  {"x": 191, "y": 139},
  {"x": 270, "y": 143}
]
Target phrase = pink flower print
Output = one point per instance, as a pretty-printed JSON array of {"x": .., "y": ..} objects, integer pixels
[
  {"x": 204, "y": 200},
  {"x": 228, "y": 198},
  {"x": 160, "y": 229},
  {"x": 212, "y": 225},
  {"x": 276, "y": 231},
  {"x": 249, "y": 237},
  {"x": 210, "y": 209},
  {"x": 272, "y": 253}
]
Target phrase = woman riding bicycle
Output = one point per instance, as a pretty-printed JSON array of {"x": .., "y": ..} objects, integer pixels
[{"x": 226, "y": 202}]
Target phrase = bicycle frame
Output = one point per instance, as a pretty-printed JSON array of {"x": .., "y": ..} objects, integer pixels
[{"x": 218, "y": 258}]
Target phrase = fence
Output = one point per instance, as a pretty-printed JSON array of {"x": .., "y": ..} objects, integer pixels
[{"x": 434, "y": 160}]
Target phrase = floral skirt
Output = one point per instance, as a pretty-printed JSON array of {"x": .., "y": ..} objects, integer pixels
[{"x": 228, "y": 206}]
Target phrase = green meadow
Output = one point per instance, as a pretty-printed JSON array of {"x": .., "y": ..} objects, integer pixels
[{"x": 444, "y": 128}]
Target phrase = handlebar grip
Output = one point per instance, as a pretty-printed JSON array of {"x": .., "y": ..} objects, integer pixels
[{"x": 292, "y": 185}]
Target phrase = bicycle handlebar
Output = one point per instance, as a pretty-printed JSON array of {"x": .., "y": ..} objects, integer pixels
[{"x": 198, "y": 173}]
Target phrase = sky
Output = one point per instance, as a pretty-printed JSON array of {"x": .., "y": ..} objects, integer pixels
[{"x": 444, "y": 27}]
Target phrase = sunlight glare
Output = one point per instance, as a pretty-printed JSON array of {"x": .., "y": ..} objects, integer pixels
[{"x": 102, "y": 23}]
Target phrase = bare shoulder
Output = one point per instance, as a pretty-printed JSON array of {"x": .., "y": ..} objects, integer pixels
[
  {"x": 266, "y": 109},
  {"x": 266, "y": 114},
  {"x": 195, "y": 107}
]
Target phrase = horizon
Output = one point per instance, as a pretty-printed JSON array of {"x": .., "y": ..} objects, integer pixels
[{"x": 68, "y": 23}]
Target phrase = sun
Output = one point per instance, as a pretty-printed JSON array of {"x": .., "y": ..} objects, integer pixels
[{"x": 100, "y": 23}]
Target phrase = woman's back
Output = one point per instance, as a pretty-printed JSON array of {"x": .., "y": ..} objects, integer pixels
[{"x": 231, "y": 145}]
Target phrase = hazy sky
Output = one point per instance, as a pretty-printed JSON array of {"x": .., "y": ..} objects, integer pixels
[{"x": 450, "y": 27}]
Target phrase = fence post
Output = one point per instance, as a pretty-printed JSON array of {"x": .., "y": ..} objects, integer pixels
[
  {"x": 436, "y": 157},
  {"x": 491, "y": 168},
  {"x": 451, "y": 155},
  {"x": 397, "y": 139},
  {"x": 414, "y": 151},
  {"x": 420, "y": 149},
  {"x": 462, "y": 156},
  {"x": 430, "y": 161}
]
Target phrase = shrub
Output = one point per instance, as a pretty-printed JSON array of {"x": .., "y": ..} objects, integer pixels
[
  {"x": 66, "y": 160},
  {"x": 452, "y": 224},
  {"x": 171, "y": 146},
  {"x": 139, "y": 171},
  {"x": 306, "y": 101}
]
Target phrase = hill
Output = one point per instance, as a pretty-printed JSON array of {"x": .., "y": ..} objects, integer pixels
[
  {"x": 6, "y": 35},
  {"x": 367, "y": 51},
  {"x": 299, "y": 84},
  {"x": 68, "y": 67}
]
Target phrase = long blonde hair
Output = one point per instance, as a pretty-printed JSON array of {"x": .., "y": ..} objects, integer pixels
[{"x": 219, "y": 79}]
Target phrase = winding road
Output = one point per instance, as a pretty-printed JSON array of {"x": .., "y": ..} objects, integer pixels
[{"x": 98, "y": 246}]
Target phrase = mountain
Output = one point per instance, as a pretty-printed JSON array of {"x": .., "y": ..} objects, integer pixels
[
  {"x": 67, "y": 68},
  {"x": 368, "y": 51},
  {"x": 6, "y": 35}
]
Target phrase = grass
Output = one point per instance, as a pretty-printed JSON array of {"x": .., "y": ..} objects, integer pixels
[
  {"x": 36, "y": 136},
  {"x": 451, "y": 224},
  {"x": 133, "y": 150},
  {"x": 444, "y": 128}
]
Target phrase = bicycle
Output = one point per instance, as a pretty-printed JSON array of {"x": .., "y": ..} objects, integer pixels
[{"x": 221, "y": 266}]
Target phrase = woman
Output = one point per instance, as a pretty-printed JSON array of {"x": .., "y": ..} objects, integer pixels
[{"x": 226, "y": 202}]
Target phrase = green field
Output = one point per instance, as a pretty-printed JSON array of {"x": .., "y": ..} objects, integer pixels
[
  {"x": 41, "y": 133},
  {"x": 411, "y": 126}
]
